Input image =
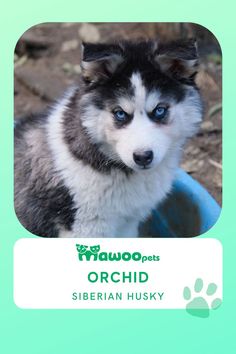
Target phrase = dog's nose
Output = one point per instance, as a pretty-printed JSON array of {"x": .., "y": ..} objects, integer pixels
[{"x": 143, "y": 158}]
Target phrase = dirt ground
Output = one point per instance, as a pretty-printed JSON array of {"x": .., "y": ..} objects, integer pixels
[{"x": 47, "y": 62}]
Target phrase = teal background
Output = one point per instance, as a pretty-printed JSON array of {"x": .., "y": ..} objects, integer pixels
[{"x": 115, "y": 331}]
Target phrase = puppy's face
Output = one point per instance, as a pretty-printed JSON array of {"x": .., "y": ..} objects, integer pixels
[{"x": 140, "y": 102}]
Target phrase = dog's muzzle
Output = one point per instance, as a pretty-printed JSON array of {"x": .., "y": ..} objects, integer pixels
[{"x": 144, "y": 158}]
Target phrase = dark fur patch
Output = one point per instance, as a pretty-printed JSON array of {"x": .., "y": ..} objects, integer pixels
[
  {"x": 42, "y": 203},
  {"x": 137, "y": 57},
  {"x": 80, "y": 144}
]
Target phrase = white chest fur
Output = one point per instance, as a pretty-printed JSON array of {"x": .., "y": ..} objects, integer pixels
[{"x": 112, "y": 205}]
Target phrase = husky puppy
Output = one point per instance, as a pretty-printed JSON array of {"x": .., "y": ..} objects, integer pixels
[{"x": 106, "y": 154}]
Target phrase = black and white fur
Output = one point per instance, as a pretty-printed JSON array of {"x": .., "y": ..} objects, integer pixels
[{"x": 75, "y": 172}]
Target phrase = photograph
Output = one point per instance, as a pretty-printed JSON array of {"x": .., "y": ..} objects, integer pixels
[{"x": 117, "y": 130}]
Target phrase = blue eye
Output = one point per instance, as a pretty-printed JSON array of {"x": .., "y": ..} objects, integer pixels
[
  {"x": 120, "y": 115},
  {"x": 160, "y": 112}
]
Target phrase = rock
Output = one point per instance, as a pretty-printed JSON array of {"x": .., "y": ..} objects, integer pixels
[
  {"x": 71, "y": 69},
  {"x": 20, "y": 61},
  {"x": 42, "y": 83},
  {"x": 68, "y": 24},
  {"x": 69, "y": 45},
  {"x": 190, "y": 166},
  {"x": 211, "y": 126},
  {"x": 207, "y": 126},
  {"x": 89, "y": 33},
  {"x": 77, "y": 69},
  {"x": 67, "y": 67},
  {"x": 33, "y": 45}
]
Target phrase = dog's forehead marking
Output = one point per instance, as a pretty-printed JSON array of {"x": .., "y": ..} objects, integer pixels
[
  {"x": 139, "y": 91},
  {"x": 141, "y": 100}
]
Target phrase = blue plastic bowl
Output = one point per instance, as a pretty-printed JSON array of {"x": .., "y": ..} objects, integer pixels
[{"x": 188, "y": 211}]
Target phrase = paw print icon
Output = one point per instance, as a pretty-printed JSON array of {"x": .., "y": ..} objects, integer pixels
[{"x": 200, "y": 302}]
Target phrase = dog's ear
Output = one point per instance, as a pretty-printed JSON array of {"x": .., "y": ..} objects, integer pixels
[
  {"x": 100, "y": 61},
  {"x": 178, "y": 59}
]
